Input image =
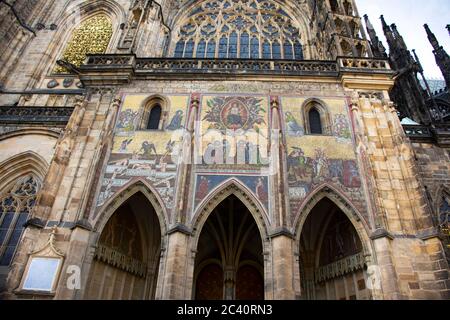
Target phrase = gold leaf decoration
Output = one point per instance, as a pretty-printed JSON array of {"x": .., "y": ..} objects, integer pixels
[{"x": 92, "y": 36}]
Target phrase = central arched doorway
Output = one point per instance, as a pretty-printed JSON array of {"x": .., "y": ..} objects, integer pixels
[
  {"x": 229, "y": 261},
  {"x": 126, "y": 259},
  {"x": 332, "y": 264}
]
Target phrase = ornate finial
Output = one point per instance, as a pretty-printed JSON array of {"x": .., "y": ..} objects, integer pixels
[
  {"x": 377, "y": 46},
  {"x": 442, "y": 58},
  {"x": 431, "y": 37},
  {"x": 383, "y": 22},
  {"x": 50, "y": 244}
]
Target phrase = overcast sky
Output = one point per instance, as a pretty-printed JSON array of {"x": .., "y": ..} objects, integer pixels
[{"x": 410, "y": 16}]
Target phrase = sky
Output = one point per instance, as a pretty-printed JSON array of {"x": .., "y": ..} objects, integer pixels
[{"x": 410, "y": 16}]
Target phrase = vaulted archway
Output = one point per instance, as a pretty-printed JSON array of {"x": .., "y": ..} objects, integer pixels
[
  {"x": 229, "y": 261},
  {"x": 332, "y": 255},
  {"x": 127, "y": 255}
]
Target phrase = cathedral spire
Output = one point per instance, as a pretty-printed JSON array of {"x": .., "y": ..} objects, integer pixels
[
  {"x": 442, "y": 58},
  {"x": 433, "y": 40},
  {"x": 407, "y": 92},
  {"x": 378, "y": 49},
  {"x": 398, "y": 37},
  {"x": 388, "y": 33}
]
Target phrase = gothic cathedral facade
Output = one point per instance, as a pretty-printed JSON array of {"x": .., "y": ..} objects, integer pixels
[{"x": 214, "y": 149}]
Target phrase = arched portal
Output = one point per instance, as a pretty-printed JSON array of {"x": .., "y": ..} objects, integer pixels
[
  {"x": 126, "y": 260},
  {"x": 332, "y": 264},
  {"x": 229, "y": 262}
]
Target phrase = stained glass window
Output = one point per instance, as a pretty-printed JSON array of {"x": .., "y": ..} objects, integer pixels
[
  {"x": 240, "y": 29},
  {"x": 211, "y": 49},
  {"x": 179, "y": 49},
  {"x": 154, "y": 118},
  {"x": 244, "y": 46},
  {"x": 315, "y": 122},
  {"x": 266, "y": 50},
  {"x": 93, "y": 36},
  {"x": 15, "y": 208},
  {"x": 288, "y": 53},
  {"x": 201, "y": 48},
  {"x": 254, "y": 51}
]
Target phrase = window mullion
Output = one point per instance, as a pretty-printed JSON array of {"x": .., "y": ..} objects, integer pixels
[
  {"x": 11, "y": 228},
  {"x": 238, "y": 46}
]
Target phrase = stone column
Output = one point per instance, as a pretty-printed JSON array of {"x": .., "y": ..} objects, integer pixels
[
  {"x": 73, "y": 266},
  {"x": 283, "y": 267},
  {"x": 230, "y": 282},
  {"x": 384, "y": 277},
  {"x": 186, "y": 162},
  {"x": 174, "y": 278},
  {"x": 63, "y": 153},
  {"x": 277, "y": 169}
]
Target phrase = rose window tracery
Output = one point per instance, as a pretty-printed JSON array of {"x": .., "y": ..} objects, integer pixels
[{"x": 245, "y": 29}]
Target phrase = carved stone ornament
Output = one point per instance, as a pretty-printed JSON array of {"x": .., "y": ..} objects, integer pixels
[
  {"x": 67, "y": 82},
  {"x": 43, "y": 268},
  {"x": 49, "y": 249},
  {"x": 52, "y": 84}
]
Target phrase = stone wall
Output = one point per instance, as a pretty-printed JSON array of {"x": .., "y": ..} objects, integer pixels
[
  {"x": 433, "y": 165},
  {"x": 364, "y": 162}
]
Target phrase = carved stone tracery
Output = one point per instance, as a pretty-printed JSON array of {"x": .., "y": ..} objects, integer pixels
[{"x": 235, "y": 28}]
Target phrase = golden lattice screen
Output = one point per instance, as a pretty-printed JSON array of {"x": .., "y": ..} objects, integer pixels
[{"x": 92, "y": 36}]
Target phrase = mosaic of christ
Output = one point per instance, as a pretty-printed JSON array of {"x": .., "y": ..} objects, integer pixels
[{"x": 234, "y": 115}]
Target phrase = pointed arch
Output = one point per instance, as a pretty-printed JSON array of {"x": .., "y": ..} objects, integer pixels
[
  {"x": 441, "y": 191},
  {"x": 133, "y": 187},
  {"x": 330, "y": 234},
  {"x": 92, "y": 35},
  {"x": 319, "y": 106},
  {"x": 21, "y": 178},
  {"x": 27, "y": 162},
  {"x": 148, "y": 105},
  {"x": 230, "y": 187},
  {"x": 37, "y": 131},
  {"x": 442, "y": 194},
  {"x": 74, "y": 14},
  {"x": 341, "y": 201},
  {"x": 288, "y": 8},
  {"x": 130, "y": 234},
  {"x": 38, "y": 142},
  {"x": 229, "y": 243}
]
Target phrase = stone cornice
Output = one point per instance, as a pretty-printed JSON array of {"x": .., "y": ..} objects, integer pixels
[
  {"x": 58, "y": 116},
  {"x": 113, "y": 69},
  {"x": 436, "y": 133}
]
